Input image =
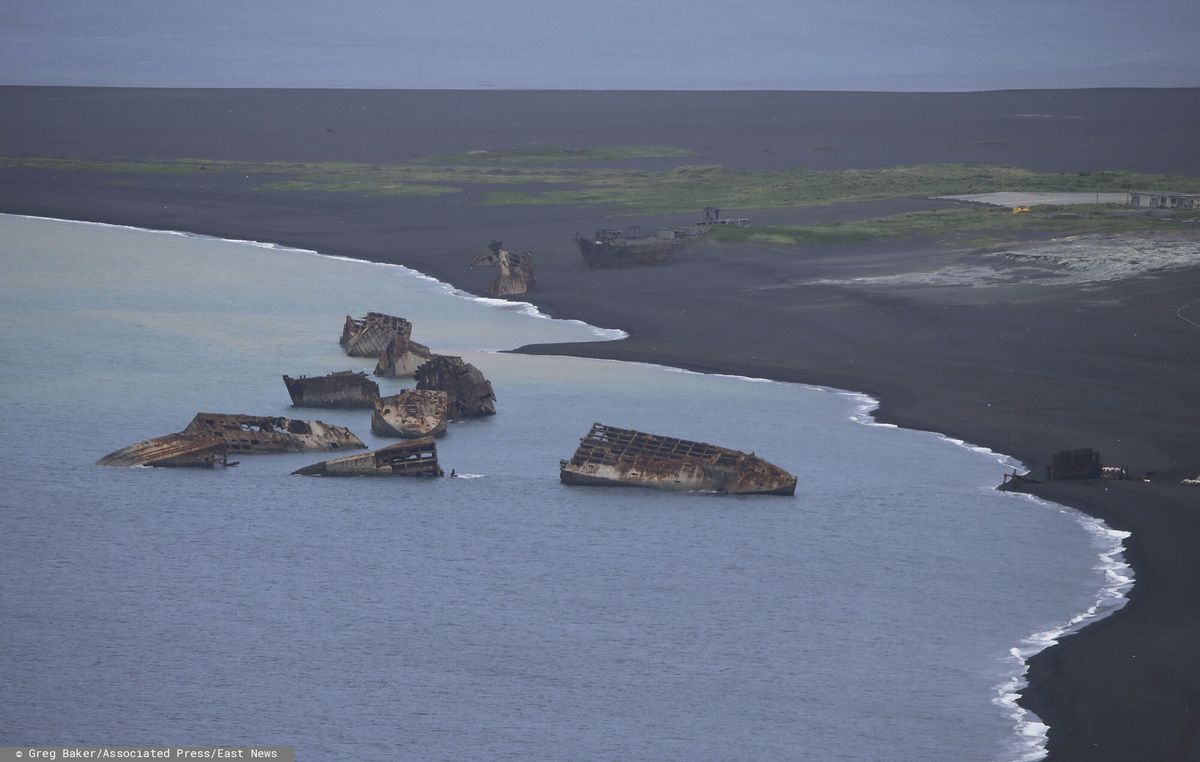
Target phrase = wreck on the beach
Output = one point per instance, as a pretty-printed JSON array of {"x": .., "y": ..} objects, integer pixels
[
  {"x": 369, "y": 336},
  {"x": 470, "y": 394},
  {"x": 411, "y": 414},
  {"x": 609, "y": 249},
  {"x": 343, "y": 389},
  {"x": 516, "y": 269},
  {"x": 417, "y": 457},
  {"x": 1083, "y": 463},
  {"x": 609, "y": 456},
  {"x": 402, "y": 357}
]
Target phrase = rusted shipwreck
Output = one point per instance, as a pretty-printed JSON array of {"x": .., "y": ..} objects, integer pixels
[
  {"x": 369, "y": 336},
  {"x": 470, "y": 394},
  {"x": 401, "y": 357},
  {"x": 1083, "y": 463},
  {"x": 171, "y": 451},
  {"x": 210, "y": 437},
  {"x": 268, "y": 434},
  {"x": 609, "y": 249},
  {"x": 343, "y": 389},
  {"x": 516, "y": 269},
  {"x": 411, "y": 414},
  {"x": 609, "y": 456},
  {"x": 417, "y": 457}
]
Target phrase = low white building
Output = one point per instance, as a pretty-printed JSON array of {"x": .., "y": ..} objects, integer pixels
[{"x": 1152, "y": 200}]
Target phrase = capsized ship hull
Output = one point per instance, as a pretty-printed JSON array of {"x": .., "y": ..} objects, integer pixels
[{"x": 609, "y": 456}]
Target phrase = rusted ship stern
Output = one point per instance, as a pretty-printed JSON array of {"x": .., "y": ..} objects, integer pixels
[{"x": 609, "y": 456}]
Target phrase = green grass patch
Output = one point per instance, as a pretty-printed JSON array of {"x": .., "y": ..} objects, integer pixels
[
  {"x": 552, "y": 175},
  {"x": 544, "y": 153},
  {"x": 972, "y": 226}
]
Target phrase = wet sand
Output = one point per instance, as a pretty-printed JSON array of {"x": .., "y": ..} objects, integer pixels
[{"x": 1022, "y": 367}]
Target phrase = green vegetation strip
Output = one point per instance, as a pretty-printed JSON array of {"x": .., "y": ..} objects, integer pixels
[
  {"x": 974, "y": 226},
  {"x": 539, "y": 174}
]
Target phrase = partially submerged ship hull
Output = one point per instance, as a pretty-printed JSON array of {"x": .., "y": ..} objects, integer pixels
[
  {"x": 402, "y": 357},
  {"x": 369, "y": 336},
  {"x": 417, "y": 457},
  {"x": 470, "y": 394},
  {"x": 411, "y": 414},
  {"x": 170, "y": 451},
  {"x": 608, "y": 456},
  {"x": 267, "y": 434},
  {"x": 343, "y": 389}
]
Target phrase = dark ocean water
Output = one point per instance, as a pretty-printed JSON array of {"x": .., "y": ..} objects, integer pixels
[
  {"x": 911, "y": 45},
  {"x": 504, "y": 615}
]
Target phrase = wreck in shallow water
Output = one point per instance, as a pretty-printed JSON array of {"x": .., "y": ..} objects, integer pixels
[
  {"x": 264, "y": 434},
  {"x": 171, "y": 451},
  {"x": 470, "y": 394},
  {"x": 411, "y": 413},
  {"x": 369, "y": 336},
  {"x": 417, "y": 457},
  {"x": 345, "y": 388},
  {"x": 209, "y": 438},
  {"x": 401, "y": 357},
  {"x": 609, "y": 456}
]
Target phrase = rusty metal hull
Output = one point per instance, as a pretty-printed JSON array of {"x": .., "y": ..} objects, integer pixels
[
  {"x": 170, "y": 451},
  {"x": 642, "y": 252},
  {"x": 369, "y": 336},
  {"x": 401, "y": 357},
  {"x": 410, "y": 414},
  {"x": 344, "y": 389},
  {"x": 470, "y": 394},
  {"x": 609, "y": 456},
  {"x": 267, "y": 434},
  {"x": 417, "y": 457}
]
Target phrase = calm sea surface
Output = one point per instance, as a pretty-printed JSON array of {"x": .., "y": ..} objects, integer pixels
[{"x": 502, "y": 616}]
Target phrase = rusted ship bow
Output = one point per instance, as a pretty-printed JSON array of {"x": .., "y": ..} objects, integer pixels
[
  {"x": 410, "y": 414},
  {"x": 416, "y": 457},
  {"x": 609, "y": 456}
]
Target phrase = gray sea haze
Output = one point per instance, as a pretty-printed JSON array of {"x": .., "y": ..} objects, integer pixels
[
  {"x": 906, "y": 45},
  {"x": 504, "y": 615}
]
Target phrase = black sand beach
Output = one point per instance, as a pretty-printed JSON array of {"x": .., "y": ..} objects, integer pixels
[{"x": 1021, "y": 367}]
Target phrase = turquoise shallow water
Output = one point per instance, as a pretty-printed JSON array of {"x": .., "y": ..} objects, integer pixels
[{"x": 870, "y": 617}]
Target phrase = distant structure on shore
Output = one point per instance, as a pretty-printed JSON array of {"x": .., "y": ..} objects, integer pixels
[
  {"x": 1155, "y": 200},
  {"x": 611, "y": 249}
]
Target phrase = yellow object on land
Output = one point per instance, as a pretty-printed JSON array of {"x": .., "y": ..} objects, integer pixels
[{"x": 1020, "y": 210}]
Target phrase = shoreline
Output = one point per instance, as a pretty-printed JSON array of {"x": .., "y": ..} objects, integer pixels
[
  {"x": 1028, "y": 727},
  {"x": 1026, "y": 370}
]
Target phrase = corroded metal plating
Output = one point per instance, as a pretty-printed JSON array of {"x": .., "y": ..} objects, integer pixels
[
  {"x": 411, "y": 413},
  {"x": 369, "y": 336},
  {"x": 417, "y": 457},
  {"x": 609, "y": 456}
]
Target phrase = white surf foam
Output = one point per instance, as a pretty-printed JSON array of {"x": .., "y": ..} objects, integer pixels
[
  {"x": 525, "y": 308},
  {"x": 1031, "y": 733}
]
